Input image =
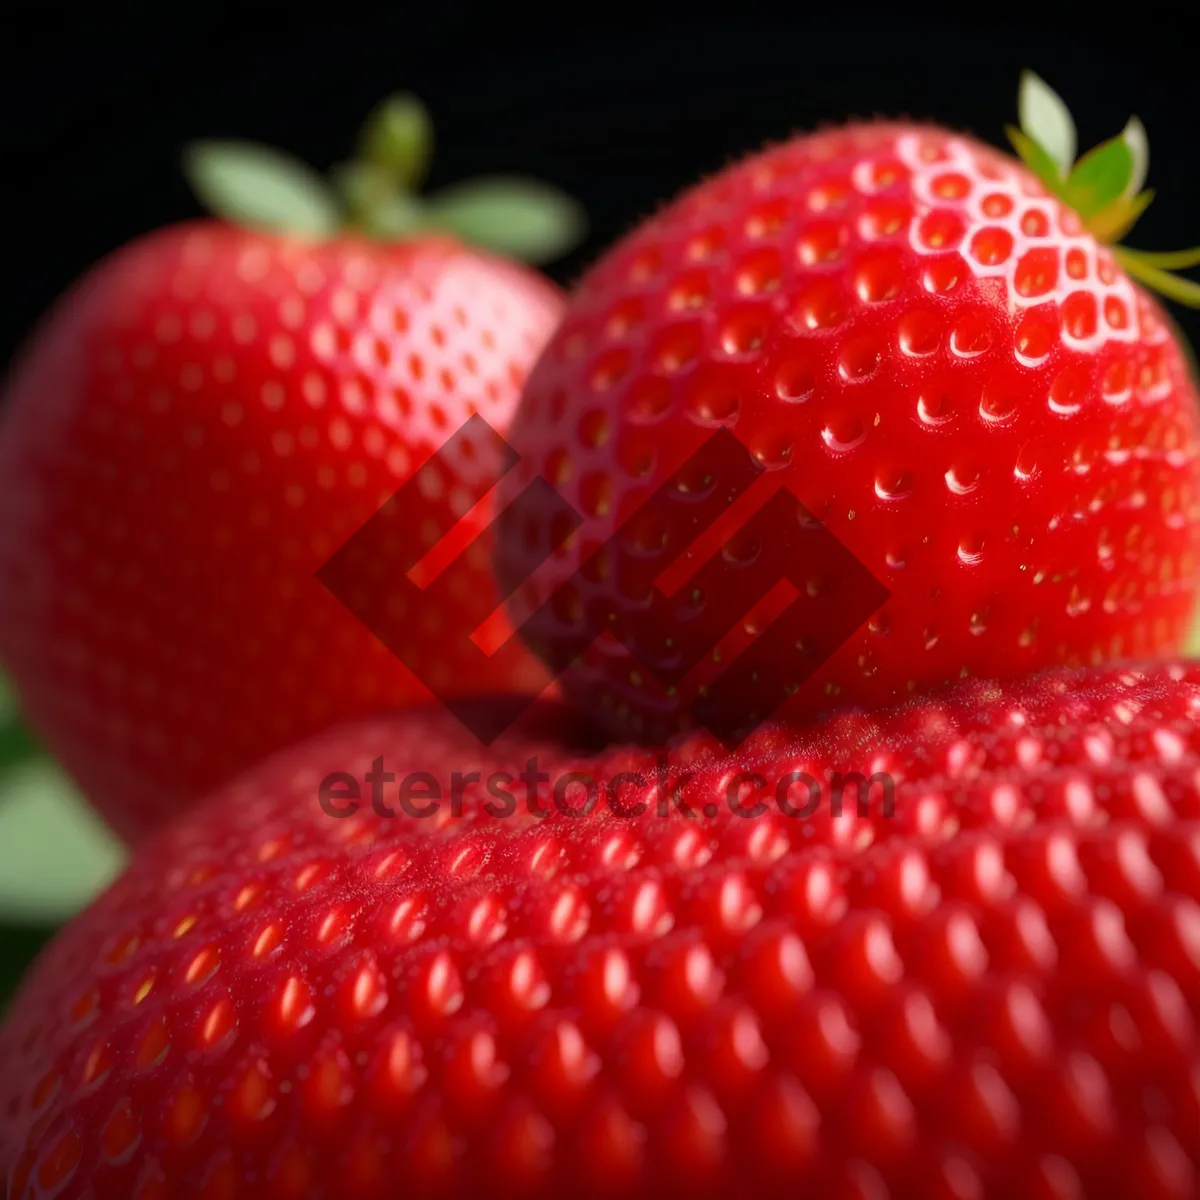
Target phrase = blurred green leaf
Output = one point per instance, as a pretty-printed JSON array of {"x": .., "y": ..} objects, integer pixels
[
  {"x": 519, "y": 217},
  {"x": 398, "y": 136},
  {"x": 1120, "y": 217},
  {"x": 1046, "y": 119},
  {"x": 1135, "y": 137},
  {"x": 55, "y": 853},
  {"x": 16, "y": 743},
  {"x": 374, "y": 203},
  {"x": 261, "y": 187},
  {"x": 361, "y": 185},
  {"x": 16, "y": 746},
  {"x": 1168, "y": 260},
  {"x": 1174, "y": 287},
  {"x": 1034, "y": 157}
]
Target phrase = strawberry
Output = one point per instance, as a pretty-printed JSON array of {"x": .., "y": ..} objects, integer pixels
[
  {"x": 208, "y": 416},
  {"x": 982, "y": 980},
  {"x": 933, "y": 350}
]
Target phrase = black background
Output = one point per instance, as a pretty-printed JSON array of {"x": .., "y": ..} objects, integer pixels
[{"x": 622, "y": 106}]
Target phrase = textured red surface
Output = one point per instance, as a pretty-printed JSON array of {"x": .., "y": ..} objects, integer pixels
[
  {"x": 994, "y": 991},
  {"x": 907, "y": 332},
  {"x": 195, "y": 430}
]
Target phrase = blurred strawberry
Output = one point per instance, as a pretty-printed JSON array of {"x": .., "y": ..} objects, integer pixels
[
  {"x": 202, "y": 422},
  {"x": 988, "y": 987}
]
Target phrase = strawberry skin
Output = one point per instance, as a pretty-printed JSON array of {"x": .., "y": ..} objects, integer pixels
[
  {"x": 991, "y": 992},
  {"x": 192, "y": 434},
  {"x": 942, "y": 365}
]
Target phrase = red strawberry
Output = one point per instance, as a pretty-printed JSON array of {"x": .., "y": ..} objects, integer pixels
[
  {"x": 991, "y": 992},
  {"x": 939, "y": 359},
  {"x": 200, "y": 425}
]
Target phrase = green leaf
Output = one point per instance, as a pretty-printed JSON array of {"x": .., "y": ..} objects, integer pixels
[
  {"x": 519, "y": 217},
  {"x": 398, "y": 137},
  {"x": 55, "y": 853},
  {"x": 1035, "y": 158},
  {"x": 1168, "y": 260},
  {"x": 1119, "y": 218},
  {"x": 1100, "y": 177},
  {"x": 261, "y": 187},
  {"x": 16, "y": 743},
  {"x": 1183, "y": 291},
  {"x": 1046, "y": 120},
  {"x": 1135, "y": 137}
]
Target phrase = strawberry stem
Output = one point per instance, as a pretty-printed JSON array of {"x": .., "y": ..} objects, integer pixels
[{"x": 397, "y": 138}]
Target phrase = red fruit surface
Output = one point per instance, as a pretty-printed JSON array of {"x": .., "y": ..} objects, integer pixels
[
  {"x": 991, "y": 992},
  {"x": 193, "y": 432},
  {"x": 907, "y": 332}
]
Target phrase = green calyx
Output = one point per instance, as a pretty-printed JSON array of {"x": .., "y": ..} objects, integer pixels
[
  {"x": 1104, "y": 186},
  {"x": 375, "y": 193},
  {"x": 17, "y": 746}
]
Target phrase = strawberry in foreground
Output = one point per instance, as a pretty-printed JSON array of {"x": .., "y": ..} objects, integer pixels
[
  {"x": 938, "y": 352},
  {"x": 211, "y": 414},
  {"x": 991, "y": 992}
]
